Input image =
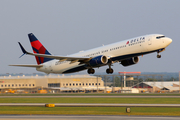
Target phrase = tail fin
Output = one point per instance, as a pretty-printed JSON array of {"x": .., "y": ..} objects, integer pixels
[{"x": 38, "y": 48}]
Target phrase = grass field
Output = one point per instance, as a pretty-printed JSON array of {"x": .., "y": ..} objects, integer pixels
[
  {"x": 92, "y": 111},
  {"x": 159, "y": 111},
  {"x": 93, "y": 100}
]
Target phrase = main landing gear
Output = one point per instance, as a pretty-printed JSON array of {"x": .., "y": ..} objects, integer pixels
[
  {"x": 91, "y": 71},
  {"x": 109, "y": 70}
]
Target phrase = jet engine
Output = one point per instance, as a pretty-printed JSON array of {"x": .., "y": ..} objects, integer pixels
[
  {"x": 130, "y": 61},
  {"x": 98, "y": 61}
]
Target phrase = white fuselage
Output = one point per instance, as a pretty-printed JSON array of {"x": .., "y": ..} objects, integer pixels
[{"x": 117, "y": 52}]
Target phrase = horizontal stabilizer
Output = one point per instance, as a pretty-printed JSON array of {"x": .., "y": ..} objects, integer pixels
[
  {"x": 61, "y": 58},
  {"x": 35, "y": 66}
]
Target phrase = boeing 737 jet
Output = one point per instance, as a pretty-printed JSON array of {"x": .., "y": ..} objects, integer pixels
[{"x": 125, "y": 52}]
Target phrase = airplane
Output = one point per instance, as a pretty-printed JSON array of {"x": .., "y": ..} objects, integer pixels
[{"x": 125, "y": 52}]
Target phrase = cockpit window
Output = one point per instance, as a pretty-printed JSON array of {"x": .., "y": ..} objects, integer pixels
[{"x": 159, "y": 37}]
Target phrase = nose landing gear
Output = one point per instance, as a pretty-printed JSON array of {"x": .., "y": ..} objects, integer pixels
[
  {"x": 160, "y": 50},
  {"x": 158, "y": 55}
]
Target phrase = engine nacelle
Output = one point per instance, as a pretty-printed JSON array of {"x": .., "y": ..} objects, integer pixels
[
  {"x": 130, "y": 61},
  {"x": 98, "y": 61}
]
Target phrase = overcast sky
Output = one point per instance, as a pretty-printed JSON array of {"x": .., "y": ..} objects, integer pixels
[{"x": 68, "y": 26}]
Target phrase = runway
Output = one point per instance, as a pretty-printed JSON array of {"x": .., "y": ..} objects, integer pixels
[
  {"x": 83, "y": 117},
  {"x": 90, "y": 105}
]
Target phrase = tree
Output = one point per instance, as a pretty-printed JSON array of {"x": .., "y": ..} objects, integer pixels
[
  {"x": 117, "y": 81},
  {"x": 151, "y": 79}
]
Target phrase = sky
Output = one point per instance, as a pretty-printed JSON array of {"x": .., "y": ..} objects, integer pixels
[{"x": 68, "y": 26}]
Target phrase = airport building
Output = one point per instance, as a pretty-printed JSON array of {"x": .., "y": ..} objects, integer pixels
[
  {"x": 76, "y": 83},
  {"x": 159, "y": 87},
  {"x": 82, "y": 84}
]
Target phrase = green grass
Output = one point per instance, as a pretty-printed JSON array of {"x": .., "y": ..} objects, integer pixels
[
  {"x": 91, "y": 110},
  {"x": 93, "y": 100},
  {"x": 159, "y": 111}
]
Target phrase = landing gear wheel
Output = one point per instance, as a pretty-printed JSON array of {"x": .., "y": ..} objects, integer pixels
[
  {"x": 158, "y": 56},
  {"x": 91, "y": 71},
  {"x": 109, "y": 71}
]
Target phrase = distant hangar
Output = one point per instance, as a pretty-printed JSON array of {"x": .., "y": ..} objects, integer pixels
[{"x": 166, "y": 86}]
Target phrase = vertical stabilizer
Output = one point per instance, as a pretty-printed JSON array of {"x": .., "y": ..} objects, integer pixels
[{"x": 39, "y": 49}]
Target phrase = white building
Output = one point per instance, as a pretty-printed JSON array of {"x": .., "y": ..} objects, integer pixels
[{"x": 168, "y": 86}]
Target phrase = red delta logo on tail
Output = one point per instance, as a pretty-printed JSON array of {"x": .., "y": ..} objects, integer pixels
[{"x": 38, "y": 48}]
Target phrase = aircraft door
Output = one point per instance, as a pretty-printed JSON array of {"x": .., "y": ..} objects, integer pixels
[
  {"x": 50, "y": 68},
  {"x": 149, "y": 41}
]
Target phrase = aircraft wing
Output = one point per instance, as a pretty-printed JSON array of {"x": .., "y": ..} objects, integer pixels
[
  {"x": 36, "y": 66},
  {"x": 61, "y": 58}
]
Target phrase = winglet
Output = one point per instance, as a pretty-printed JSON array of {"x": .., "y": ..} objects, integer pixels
[{"x": 23, "y": 50}]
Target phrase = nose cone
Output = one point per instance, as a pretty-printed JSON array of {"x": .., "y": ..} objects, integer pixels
[{"x": 168, "y": 41}]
